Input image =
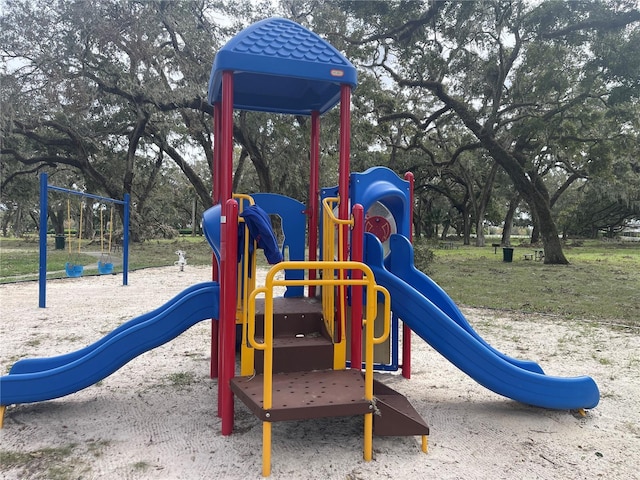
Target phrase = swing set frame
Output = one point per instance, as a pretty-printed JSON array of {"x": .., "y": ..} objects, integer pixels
[{"x": 44, "y": 215}]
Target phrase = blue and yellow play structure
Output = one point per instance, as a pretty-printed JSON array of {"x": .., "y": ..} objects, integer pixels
[{"x": 351, "y": 297}]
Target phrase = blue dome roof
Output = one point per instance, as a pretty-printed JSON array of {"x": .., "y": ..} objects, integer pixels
[{"x": 282, "y": 67}]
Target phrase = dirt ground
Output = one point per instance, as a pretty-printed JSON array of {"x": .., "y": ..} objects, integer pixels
[{"x": 156, "y": 418}]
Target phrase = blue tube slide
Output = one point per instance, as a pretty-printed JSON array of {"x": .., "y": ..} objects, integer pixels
[
  {"x": 47, "y": 378},
  {"x": 467, "y": 352}
]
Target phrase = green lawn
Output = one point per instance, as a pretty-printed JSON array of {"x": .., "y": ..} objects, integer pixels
[
  {"x": 19, "y": 258},
  {"x": 602, "y": 282}
]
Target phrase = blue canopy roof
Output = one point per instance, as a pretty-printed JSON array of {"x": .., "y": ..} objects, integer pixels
[{"x": 282, "y": 67}]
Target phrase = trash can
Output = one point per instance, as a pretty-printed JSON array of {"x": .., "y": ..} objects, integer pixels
[
  {"x": 59, "y": 242},
  {"x": 507, "y": 254}
]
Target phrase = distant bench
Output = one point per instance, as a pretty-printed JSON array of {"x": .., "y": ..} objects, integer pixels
[{"x": 537, "y": 254}]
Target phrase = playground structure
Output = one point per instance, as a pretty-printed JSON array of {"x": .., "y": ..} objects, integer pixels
[
  {"x": 105, "y": 266},
  {"x": 346, "y": 264}
]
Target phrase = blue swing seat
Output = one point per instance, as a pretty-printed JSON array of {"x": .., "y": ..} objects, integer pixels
[
  {"x": 105, "y": 268},
  {"x": 73, "y": 271}
]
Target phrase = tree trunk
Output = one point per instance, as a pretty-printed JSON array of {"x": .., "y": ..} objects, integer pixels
[
  {"x": 483, "y": 201},
  {"x": 508, "y": 220},
  {"x": 480, "y": 233},
  {"x": 553, "y": 253},
  {"x": 466, "y": 227}
]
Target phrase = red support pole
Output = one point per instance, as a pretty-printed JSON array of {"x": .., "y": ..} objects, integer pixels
[
  {"x": 345, "y": 152},
  {"x": 229, "y": 255},
  {"x": 406, "y": 331},
  {"x": 226, "y": 138},
  {"x": 343, "y": 186},
  {"x": 228, "y": 258},
  {"x": 215, "y": 189},
  {"x": 314, "y": 192},
  {"x": 357, "y": 255}
]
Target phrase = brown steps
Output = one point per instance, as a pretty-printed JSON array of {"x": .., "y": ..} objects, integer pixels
[
  {"x": 300, "y": 339},
  {"x": 304, "y": 384},
  {"x": 330, "y": 393},
  {"x": 395, "y": 416}
]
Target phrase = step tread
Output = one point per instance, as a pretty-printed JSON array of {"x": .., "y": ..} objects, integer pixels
[
  {"x": 396, "y": 416},
  {"x": 305, "y": 395}
]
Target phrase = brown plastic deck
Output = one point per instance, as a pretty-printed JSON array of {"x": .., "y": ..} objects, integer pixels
[
  {"x": 305, "y": 395},
  {"x": 304, "y": 384}
]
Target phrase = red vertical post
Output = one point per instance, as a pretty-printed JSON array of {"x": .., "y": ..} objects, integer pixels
[
  {"x": 229, "y": 255},
  {"x": 343, "y": 185},
  {"x": 357, "y": 255},
  {"x": 406, "y": 331},
  {"x": 215, "y": 189},
  {"x": 226, "y": 138},
  {"x": 228, "y": 258},
  {"x": 345, "y": 152},
  {"x": 314, "y": 191}
]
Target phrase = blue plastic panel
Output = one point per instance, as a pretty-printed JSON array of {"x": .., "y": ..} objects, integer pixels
[{"x": 280, "y": 66}]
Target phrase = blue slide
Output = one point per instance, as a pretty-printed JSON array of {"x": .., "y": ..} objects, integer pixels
[
  {"x": 35, "y": 380},
  {"x": 441, "y": 324}
]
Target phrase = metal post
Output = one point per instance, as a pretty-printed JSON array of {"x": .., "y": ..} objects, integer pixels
[
  {"x": 42, "y": 268},
  {"x": 125, "y": 240}
]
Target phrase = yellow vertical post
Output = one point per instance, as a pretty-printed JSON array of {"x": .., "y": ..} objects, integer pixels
[{"x": 266, "y": 449}]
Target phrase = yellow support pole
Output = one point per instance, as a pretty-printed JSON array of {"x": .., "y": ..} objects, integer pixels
[
  {"x": 266, "y": 449},
  {"x": 368, "y": 437}
]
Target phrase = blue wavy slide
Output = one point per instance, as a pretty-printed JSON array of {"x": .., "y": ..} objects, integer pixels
[
  {"x": 429, "y": 312},
  {"x": 39, "y": 379}
]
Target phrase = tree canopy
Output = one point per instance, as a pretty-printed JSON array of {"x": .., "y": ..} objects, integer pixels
[{"x": 496, "y": 106}]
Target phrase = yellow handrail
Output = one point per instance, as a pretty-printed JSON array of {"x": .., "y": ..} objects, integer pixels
[
  {"x": 246, "y": 284},
  {"x": 332, "y": 223},
  {"x": 372, "y": 290}
]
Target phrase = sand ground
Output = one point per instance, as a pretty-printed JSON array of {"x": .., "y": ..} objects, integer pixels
[{"x": 156, "y": 417}]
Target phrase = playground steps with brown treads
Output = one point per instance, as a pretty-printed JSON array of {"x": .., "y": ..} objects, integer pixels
[
  {"x": 304, "y": 384},
  {"x": 300, "y": 339}
]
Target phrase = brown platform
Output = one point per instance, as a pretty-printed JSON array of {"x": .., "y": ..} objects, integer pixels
[
  {"x": 305, "y": 395},
  {"x": 304, "y": 384}
]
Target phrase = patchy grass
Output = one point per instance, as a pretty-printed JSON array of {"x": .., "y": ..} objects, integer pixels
[
  {"x": 182, "y": 379},
  {"x": 67, "y": 462},
  {"x": 601, "y": 282},
  {"x": 47, "y": 463},
  {"x": 19, "y": 257}
]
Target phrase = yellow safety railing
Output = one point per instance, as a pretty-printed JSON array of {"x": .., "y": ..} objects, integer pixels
[
  {"x": 328, "y": 283},
  {"x": 330, "y": 253},
  {"x": 246, "y": 284}
]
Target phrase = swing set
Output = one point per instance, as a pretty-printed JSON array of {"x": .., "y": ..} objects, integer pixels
[
  {"x": 105, "y": 263},
  {"x": 73, "y": 269}
]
